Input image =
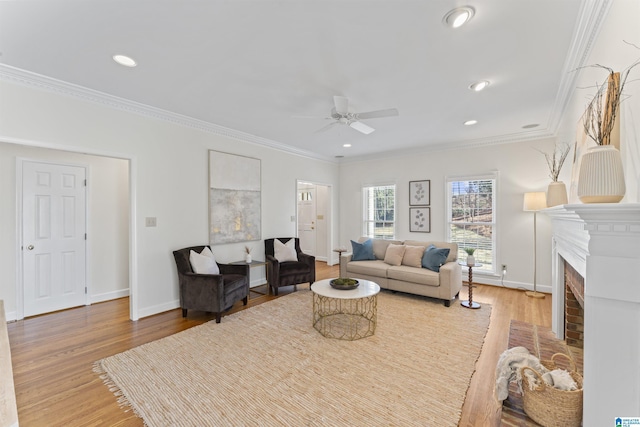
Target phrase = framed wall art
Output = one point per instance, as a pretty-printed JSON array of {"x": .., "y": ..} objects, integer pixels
[
  {"x": 420, "y": 220},
  {"x": 234, "y": 198},
  {"x": 420, "y": 193}
]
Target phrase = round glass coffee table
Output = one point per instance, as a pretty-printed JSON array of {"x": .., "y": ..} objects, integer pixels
[{"x": 345, "y": 314}]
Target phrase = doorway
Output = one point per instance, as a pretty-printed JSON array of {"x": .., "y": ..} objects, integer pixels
[
  {"x": 109, "y": 260},
  {"x": 54, "y": 209},
  {"x": 313, "y": 203}
]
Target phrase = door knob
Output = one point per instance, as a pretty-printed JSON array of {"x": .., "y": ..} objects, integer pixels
[{"x": 30, "y": 247}]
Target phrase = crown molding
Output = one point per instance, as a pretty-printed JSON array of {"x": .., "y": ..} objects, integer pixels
[
  {"x": 590, "y": 20},
  {"x": 41, "y": 82},
  {"x": 512, "y": 138}
]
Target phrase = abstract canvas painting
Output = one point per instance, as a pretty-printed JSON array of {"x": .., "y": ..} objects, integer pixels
[{"x": 234, "y": 198}]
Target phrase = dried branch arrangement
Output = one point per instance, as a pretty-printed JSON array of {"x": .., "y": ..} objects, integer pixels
[
  {"x": 601, "y": 112},
  {"x": 556, "y": 159}
]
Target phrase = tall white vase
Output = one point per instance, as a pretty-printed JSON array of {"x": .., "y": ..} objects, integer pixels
[
  {"x": 557, "y": 194},
  {"x": 601, "y": 177}
]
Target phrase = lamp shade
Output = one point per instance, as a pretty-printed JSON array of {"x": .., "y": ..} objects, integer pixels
[{"x": 534, "y": 201}]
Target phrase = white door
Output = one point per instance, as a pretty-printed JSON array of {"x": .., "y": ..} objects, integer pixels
[
  {"x": 307, "y": 220},
  {"x": 53, "y": 237}
]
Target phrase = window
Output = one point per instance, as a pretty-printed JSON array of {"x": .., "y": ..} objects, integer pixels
[
  {"x": 471, "y": 218},
  {"x": 379, "y": 211}
]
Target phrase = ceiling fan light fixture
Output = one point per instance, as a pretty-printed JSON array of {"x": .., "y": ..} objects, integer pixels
[
  {"x": 478, "y": 86},
  {"x": 361, "y": 127},
  {"x": 470, "y": 122},
  {"x": 125, "y": 60},
  {"x": 459, "y": 16}
]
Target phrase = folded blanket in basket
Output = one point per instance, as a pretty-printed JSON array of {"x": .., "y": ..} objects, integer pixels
[{"x": 508, "y": 369}]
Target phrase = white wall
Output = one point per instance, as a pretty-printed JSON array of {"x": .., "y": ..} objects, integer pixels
[
  {"x": 521, "y": 169},
  {"x": 108, "y": 229},
  {"x": 610, "y": 49},
  {"x": 169, "y": 176}
]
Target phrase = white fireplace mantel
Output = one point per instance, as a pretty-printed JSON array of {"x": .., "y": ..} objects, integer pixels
[{"x": 602, "y": 243}]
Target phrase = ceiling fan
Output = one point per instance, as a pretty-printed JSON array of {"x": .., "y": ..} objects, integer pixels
[{"x": 340, "y": 113}]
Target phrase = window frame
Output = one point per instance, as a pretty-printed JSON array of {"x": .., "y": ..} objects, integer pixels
[
  {"x": 495, "y": 177},
  {"x": 366, "y": 221}
]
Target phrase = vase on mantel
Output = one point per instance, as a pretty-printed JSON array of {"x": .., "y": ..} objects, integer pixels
[
  {"x": 556, "y": 194},
  {"x": 601, "y": 178},
  {"x": 247, "y": 258}
]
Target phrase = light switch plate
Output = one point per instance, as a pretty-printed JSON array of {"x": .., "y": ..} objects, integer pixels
[{"x": 150, "y": 221}]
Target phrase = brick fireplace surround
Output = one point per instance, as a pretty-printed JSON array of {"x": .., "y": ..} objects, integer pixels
[
  {"x": 601, "y": 243},
  {"x": 573, "y": 307}
]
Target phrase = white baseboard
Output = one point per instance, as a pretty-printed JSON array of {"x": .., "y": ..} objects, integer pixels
[
  {"x": 495, "y": 281},
  {"x": 160, "y": 308},
  {"x": 108, "y": 296}
]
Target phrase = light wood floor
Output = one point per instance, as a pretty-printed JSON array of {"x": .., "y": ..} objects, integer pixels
[{"x": 53, "y": 355}]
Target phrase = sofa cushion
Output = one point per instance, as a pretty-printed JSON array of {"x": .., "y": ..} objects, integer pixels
[
  {"x": 420, "y": 276},
  {"x": 434, "y": 257},
  {"x": 370, "y": 268},
  {"x": 453, "y": 247},
  {"x": 394, "y": 254},
  {"x": 362, "y": 251},
  {"x": 413, "y": 256}
]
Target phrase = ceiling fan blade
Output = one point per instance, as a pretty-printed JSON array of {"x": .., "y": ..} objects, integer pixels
[
  {"x": 312, "y": 117},
  {"x": 378, "y": 113},
  {"x": 342, "y": 104},
  {"x": 361, "y": 127},
  {"x": 325, "y": 128}
]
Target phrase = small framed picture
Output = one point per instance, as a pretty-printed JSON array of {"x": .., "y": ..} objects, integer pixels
[
  {"x": 420, "y": 220},
  {"x": 420, "y": 193}
]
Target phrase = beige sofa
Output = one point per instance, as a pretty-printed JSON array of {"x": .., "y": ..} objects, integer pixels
[{"x": 444, "y": 285}]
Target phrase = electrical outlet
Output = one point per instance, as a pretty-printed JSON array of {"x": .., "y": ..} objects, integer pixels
[{"x": 504, "y": 269}]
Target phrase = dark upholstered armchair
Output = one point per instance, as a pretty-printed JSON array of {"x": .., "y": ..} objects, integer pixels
[
  {"x": 289, "y": 272},
  {"x": 212, "y": 293}
]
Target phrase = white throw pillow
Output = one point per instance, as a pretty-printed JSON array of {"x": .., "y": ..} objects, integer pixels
[
  {"x": 203, "y": 262},
  {"x": 285, "y": 251}
]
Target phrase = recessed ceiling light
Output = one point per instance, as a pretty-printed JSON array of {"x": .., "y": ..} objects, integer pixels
[
  {"x": 531, "y": 126},
  {"x": 124, "y": 60},
  {"x": 478, "y": 86},
  {"x": 470, "y": 122},
  {"x": 459, "y": 16},
  {"x": 346, "y": 145}
]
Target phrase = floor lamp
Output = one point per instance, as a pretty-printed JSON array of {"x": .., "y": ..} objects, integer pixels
[{"x": 533, "y": 202}]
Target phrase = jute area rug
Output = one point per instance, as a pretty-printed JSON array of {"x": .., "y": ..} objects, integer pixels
[{"x": 268, "y": 366}]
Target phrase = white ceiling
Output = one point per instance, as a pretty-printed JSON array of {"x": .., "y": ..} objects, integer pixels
[{"x": 252, "y": 66}]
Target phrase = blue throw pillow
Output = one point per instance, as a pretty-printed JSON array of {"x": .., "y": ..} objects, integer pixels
[
  {"x": 434, "y": 257},
  {"x": 362, "y": 251}
]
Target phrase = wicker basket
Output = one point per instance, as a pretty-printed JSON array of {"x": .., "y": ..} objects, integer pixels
[{"x": 549, "y": 406}]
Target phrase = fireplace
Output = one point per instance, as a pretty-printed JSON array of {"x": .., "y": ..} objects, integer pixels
[
  {"x": 573, "y": 307},
  {"x": 596, "y": 249}
]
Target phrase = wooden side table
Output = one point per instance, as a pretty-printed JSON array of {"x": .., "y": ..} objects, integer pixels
[
  {"x": 470, "y": 303},
  {"x": 339, "y": 250}
]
